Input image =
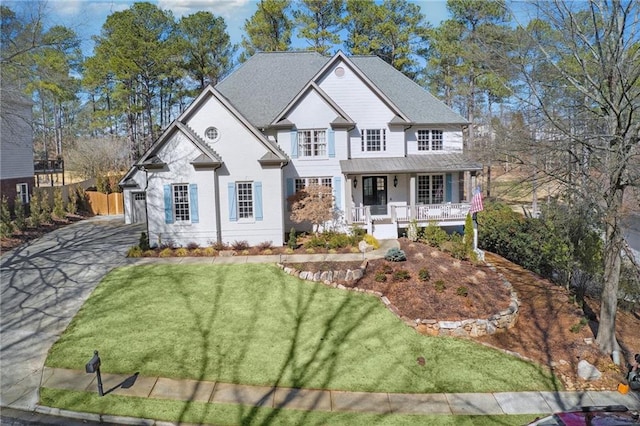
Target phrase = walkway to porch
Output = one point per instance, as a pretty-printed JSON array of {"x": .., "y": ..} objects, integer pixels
[{"x": 399, "y": 216}]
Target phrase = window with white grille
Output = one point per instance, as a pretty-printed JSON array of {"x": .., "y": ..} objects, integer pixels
[
  {"x": 244, "y": 194},
  {"x": 181, "y": 207},
  {"x": 312, "y": 143},
  {"x": 430, "y": 189},
  {"x": 22, "y": 189},
  {"x": 374, "y": 140},
  {"x": 430, "y": 140}
]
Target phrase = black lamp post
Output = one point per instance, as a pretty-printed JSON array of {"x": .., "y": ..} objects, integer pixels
[{"x": 93, "y": 366}]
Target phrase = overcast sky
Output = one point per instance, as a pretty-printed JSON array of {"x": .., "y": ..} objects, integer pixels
[{"x": 86, "y": 17}]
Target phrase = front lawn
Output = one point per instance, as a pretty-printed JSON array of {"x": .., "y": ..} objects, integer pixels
[{"x": 253, "y": 324}]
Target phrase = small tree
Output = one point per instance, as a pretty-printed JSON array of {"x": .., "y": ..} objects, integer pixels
[
  {"x": 18, "y": 212},
  {"x": 35, "y": 218},
  {"x": 312, "y": 204},
  {"x": 6, "y": 226},
  {"x": 468, "y": 235},
  {"x": 72, "y": 205},
  {"x": 58, "y": 203}
]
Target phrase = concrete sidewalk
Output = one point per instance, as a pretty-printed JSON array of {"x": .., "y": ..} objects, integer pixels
[{"x": 328, "y": 400}]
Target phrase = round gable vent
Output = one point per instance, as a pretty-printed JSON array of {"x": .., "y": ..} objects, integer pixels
[
  {"x": 339, "y": 72},
  {"x": 212, "y": 134}
]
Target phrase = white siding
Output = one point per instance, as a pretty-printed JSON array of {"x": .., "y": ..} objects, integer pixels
[
  {"x": 240, "y": 151},
  {"x": 365, "y": 108}
]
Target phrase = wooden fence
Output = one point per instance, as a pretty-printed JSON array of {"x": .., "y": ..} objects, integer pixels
[{"x": 97, "y": 203}]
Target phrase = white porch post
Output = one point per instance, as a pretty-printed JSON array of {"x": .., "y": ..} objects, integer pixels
[
  {"x": 412, "y": 196},
  {"x": 348, "y": 200}
]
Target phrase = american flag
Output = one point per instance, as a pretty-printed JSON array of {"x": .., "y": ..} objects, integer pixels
[{"x": 476, "y": 201}]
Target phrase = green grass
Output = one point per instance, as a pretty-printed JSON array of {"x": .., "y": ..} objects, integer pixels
[
  {"x": 253, "y": 324},
  {"x": 201, "y": 413}
]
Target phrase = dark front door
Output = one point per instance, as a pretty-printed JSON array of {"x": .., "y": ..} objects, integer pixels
[{"x": 374, "y": 194}]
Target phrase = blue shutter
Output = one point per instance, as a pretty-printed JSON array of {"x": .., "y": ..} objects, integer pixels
[
  {"x": 257, "y": 188},
  {"x": 294, "y": 144},
  {"x": 193, "y": 202},
  {"x": 231, "y": 189},
  {"x": 337, "y": 186},
  {"x": 331, "y": 139},
  {"x": 168, "y": 205},
  {"x": 290, "y": 187},
  {"x": 448, "y": 186}
]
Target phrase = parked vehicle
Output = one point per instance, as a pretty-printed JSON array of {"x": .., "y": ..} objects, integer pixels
[{"x": 608, "y": 415}]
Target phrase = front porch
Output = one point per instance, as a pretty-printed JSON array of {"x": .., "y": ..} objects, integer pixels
[{"x": 384, "y": 226}]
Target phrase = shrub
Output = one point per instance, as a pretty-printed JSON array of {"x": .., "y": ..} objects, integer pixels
[
  {"x": 35, "y": 217},
  {"x": 412, "y": 230},
  {"x": 468, "y": 235},
  {"x": 209, "y": 251},
  {"x": 339, "y": 240},
  {"x": 293, "y": 240},
  {"x": 240, "y": 245},
  {"x": 357, "y": 232},
  {"x": 267, "y": 251},
  {"x": 386, "y": 269},
  {"x": 424, "y": 274},
  {"x": 314, "y": 242},
  {"x": 380, "y": 277},
  {"x": 219, "y": 246},
  {"x": 372, "y": 241},
  {"x": 6, "y": 226},
  {"x": 192, "y": 246},
  {"x": 72, "y": 205},
  {"x": 181, "y": 252},
  {"x": 166, "y": 252},
  {"x": 434, "y": 235},
  {"x": 265, "y": 245},
  {"x": 58, "y": 203},
  {"x": 150, "y": 253},
  {"x": 462, "y": 291},
  {"x": 18, "y": 211},
  {"x": 310, "y": 251},
  {"x": 401, "y": 275},
  {"x": 134, "y": 251},
  {"x": 395, "y": 255},
  {"x": 354, "y": 250},
  {"x": 196, "y": 252},
  {"x": 575, "y": 328},
  {"x": 439, "y": 286},
  {"x": 456, "y": 247},
  {"x": 288, "y": 250},
  {"x": 144, "y": 242}
]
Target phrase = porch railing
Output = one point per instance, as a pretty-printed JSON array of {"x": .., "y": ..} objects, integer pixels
[{"x": 422, "y": 213}]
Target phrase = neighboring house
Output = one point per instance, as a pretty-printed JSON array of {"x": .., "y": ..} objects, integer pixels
[
  {"x": 16, "y": 146},
  {"x": 224, "y": 169}
]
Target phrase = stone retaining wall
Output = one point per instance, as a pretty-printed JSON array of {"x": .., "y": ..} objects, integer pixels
[{"x": 496, "y": 323}]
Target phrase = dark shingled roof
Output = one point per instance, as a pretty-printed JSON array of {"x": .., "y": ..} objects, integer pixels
[{"x": 266, "y": 84}]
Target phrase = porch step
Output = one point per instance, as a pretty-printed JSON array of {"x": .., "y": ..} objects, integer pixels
[{"x": 385, "y": 231}]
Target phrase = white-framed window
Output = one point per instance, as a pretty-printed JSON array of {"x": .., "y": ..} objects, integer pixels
[
  {"x": 181, "y": 207},
  {"x": 301, "y": 183},
  {"x": 212, "y": 133},
  {"x": 244, "y": 195},
  {"x": 22, "y": 190},
  {"x": 430, "y": 140},
  {"x": 312, "y": 143},
  {"x": 374, "y": 139},
  {"x": 430, "y": 189}
]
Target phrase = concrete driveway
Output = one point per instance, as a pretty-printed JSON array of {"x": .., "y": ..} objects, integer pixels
[{"x": 43, "y": 285}]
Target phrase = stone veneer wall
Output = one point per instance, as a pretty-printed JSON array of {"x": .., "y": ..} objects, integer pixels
[{"x": 496, "y": 323}]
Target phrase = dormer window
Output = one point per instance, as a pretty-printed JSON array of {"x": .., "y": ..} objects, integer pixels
[
  {"x": 312, "y": 143},
  {"x": 374, "y": 140}
]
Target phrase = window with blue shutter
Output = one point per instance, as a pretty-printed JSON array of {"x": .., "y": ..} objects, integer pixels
[
  {"x": 337, "y": 186},
  {"x": 193, "y": 198},
  {"x": 448, "y": 187},
  {"x": 231, "y": 189},
  {"x": 294, "y": 144},
  {"x": 168, "y": 205},
  {"x": 257, "y": 188},
  {"x": 331, "y": 136}
]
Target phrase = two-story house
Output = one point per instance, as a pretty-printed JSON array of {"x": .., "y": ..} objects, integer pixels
[
  {"x": 390, "y": 151},
  {"x": 16, "y": 145}
]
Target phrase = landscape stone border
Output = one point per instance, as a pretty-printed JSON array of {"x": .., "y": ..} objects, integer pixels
[{"x": 496, "y": 323}]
